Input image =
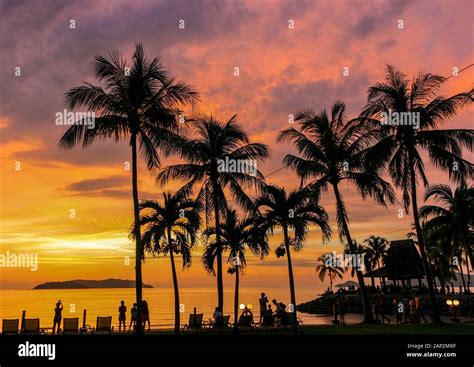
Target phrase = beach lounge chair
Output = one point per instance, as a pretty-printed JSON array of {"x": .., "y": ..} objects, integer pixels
[
  {"x": 104, "y": 325},
  {"x": 10, "y": 327},
  {"x": 222, "y": 322},
  {"x": 195, "y": 321},
  {"x": 32, "y": 326},
  {"x": 71, "y": 325},
  {"x": 246, "y": 322}
]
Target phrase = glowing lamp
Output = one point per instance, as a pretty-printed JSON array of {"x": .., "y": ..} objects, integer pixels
[
  {"x": 449, "y": 302},
  {"x": 249, "y": 306},
  {"x": 456, "y": 302},
  {"x": 242, "y": 306}
]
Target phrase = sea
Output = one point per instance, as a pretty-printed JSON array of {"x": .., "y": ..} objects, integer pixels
[{"x": 105, "y": 302}]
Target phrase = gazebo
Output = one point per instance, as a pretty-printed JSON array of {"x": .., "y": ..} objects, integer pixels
[{"x": 402, "y": 263}]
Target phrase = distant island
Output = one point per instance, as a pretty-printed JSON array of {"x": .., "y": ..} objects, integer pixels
[{"x": 88, "y": 284}]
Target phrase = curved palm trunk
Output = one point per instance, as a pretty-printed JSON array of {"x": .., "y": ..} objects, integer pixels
[
  {"x": 441, "y": 278},
  {"x": 175, "y": 286},
  {"x": 292, "y": 281},
  {"x": 220, "y": 285},
  {"x": 462, "y": 277},
  {"x": 363, "y": 291},
  {"x": 236, "y": 299},
  {"x": 421, "y": 245},
  {"x": 468, "y": 274},
  {"x": 138, "y": 240}
]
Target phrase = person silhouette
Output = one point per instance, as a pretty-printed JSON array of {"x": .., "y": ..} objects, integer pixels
[
  {"x": 57, "y": 316},
  {"x": 145, "y": 314},
  {"x": 122, "y": 316},
  {"x": 133, "y": 317}
]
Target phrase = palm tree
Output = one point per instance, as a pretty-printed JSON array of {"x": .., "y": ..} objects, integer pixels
[
  {"x": 329, "y": 269},
  {"x": 330, "y": 152},
  {"x": 138, "y": 102},
  {"x": 215, "y": 144},
  {"x": 452, "y": 221},
  {"x": 398, "y": 147},
  {"x": 170, "y": 227},
  {"x": 376, "y": 250},
  {"x": 290, "y": 211},
  {"x": 237, "y": 235}
]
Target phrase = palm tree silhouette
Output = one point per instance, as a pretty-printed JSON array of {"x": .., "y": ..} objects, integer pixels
[
  {"x": 217, "y": 142},
  {"x": 170, "y": 227},
  {"x": 329, "y": 269},
  {"x": 398, "y": 148},
  {"x": 330, "y": 152},
  {"x": 290, "y": 211},
  {"x": 138, "y": 102},
  {"x": 237, "y": 235},
  {"x": 452, "y": 220},
  {"x": 376, "y": 249}
]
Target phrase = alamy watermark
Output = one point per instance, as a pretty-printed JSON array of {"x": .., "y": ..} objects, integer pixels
[
  {"x": 395, "y": 118},
  {"x": 28, "y": 349},
  {"x": 230, "y": 165},
  {"x": 11, "y": 260},
  {"x": 66, "y": 117},
  {"x": 335, "y": 260}
]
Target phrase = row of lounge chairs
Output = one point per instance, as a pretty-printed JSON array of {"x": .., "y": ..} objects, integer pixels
[
  {"x": 196, "y": 322},
  {"x": 70, "y": 326},
  {"x": 104, "y": 325}
]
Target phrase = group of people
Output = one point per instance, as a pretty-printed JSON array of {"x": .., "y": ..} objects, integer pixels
[
  {"x": 408, "y": 309},
  {"x": 122, "y": 316},
  {"x": 133, "y": 316},
  {"x": 268, "y": 316}
]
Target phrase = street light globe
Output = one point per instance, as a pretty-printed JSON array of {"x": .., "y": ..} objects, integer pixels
[
  {"x": 249, "y": 306},
  {"x": 456, "y": 302},
  {"x": 242, "y": 306},
  {"x": 449, "y": 302}
]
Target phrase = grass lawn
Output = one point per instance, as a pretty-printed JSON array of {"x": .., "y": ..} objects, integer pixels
[
  {"x": 364, "y": 329},
  {"x": 390, "y": 329}
]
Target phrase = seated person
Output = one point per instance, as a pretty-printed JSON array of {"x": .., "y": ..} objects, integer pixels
[
  {"x": 215, "y": 316},
  {"x": 268, "y": 318},
  {"x": 246, "y": 319}
]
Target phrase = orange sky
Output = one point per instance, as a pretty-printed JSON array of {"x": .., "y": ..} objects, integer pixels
[{"x": 282, "y": 70}]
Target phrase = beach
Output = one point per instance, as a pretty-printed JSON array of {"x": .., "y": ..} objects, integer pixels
[{"x": 105, "y": 302}]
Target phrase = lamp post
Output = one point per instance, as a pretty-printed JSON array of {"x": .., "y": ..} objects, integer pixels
[{"x": 453, "y": 309}]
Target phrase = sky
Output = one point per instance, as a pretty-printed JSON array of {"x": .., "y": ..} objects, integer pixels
[{"x": 74, "y": 208}]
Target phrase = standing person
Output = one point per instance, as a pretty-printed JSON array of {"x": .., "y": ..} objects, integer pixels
[
  {"x": 146, "y": 314},
  {"x": 419, "y": 309},
  {"x": 342, "y": 308},
  {"x": 263, "y": 305},
  {"x": 382, "y": 309},
  {"x": 57, "y": 315},
  {"x": 133, "y": 317},
  {"x": 397, "y": 310},
  {"x": 406, "y": 309},
  {"x": 122, "y": 316},
  {"x": 412, "y": 310},
  {"x": 375, "y": 311}
]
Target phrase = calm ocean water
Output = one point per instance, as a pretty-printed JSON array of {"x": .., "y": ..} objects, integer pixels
[{"x": 105, "y": 302}]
